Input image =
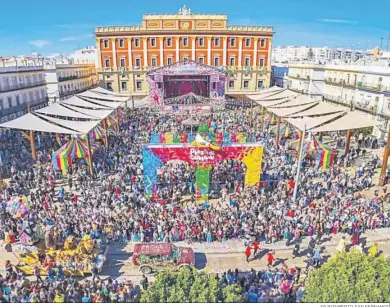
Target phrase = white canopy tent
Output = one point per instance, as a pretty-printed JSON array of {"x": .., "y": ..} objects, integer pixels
[
  {"x": 298, "y": 101},
  {"x": 282, "y": 112},
  {"x": 322, "y": 108},
  {"x": 265, "y": 92},
  {"x": 100, "y": 90},
  {"x": 312, "y": 122},
  {"x": 101, "y": 113},
  {"x": 350, "y": 121},
  {"x": 282, "y": 96},
  {"x": 78, "y": 102},
  {"x": 59, "y": 110},
  {"x": 90, "y": 94},
  {"x": 82, "y": 127},
  {"x": 103, "y": 104},
  {"x": 35, "y": 123}
]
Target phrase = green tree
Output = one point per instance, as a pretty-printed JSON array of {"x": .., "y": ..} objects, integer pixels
[
  {"x": 350, "y": 277},
  {"x": 189, "y": 286}
]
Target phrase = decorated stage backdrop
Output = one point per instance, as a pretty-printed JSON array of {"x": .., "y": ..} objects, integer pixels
[{"x": 202, "y": 159}]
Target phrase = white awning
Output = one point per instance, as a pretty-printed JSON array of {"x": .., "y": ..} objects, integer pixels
[
  {"x": 311, "y": 122},
  {"x": 322, "y": 108},
  {"x": 90, "y": 94},
  {"x": 103, "y": 91},
  {"x": 101, "y": 113},
  {"x": 352, "y": 120},
  {"x": 265, "y": 92},
  {"x": 283, "y": 95},
  {"x": 34, "y": 123},
  {"x": 103, "y": 104},
  {"x": 282, "y": 112},
  {"x": 299, "y": 101},
  {"x": 59, "y": 110},
  {"x": 82, "y": 127},
  {"x": 78, "y": 102}
]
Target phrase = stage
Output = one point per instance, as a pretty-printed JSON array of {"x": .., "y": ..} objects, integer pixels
[{"x": 187, "y": 86}]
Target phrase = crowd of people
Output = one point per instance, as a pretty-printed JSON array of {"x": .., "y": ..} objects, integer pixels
[{"x": 113, "y": 207}]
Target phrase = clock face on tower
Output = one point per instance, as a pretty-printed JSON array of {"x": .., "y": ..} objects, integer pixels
[{"x": 185, "y": 25}]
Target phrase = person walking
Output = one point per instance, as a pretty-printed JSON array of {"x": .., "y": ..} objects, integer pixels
[
  {"x": 296, "y": 248},
  {"x": 248, "y": 253},
  {"x": 270, "y": 259}
]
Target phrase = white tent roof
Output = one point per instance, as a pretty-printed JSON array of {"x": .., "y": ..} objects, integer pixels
[
  {"x": 285, "y": 94},
  {"x": 78, "y": 102},
  {"x": 59, "y": 110},
  {"x": 141, "y": 103},
  {"x": 321, "y": 109},
  {"x": 82, "y": 127},
  {"x": 34, "y": 123},
  {"x": 101, "y": 113},
  {"x": 311, "y": 122},
  {"x": 281, "y": 112},
  {"x": 265, "y": 92},
  {"x": 298, "y": 101},
  {"x": 352, "y": 120},
  {"x": 101, "y": 90},
  {"x": 90, "y": 94},
  {"x": 105, "y": 104}
]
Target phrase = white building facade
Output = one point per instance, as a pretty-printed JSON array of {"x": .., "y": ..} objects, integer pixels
[
  {"x": 279, "y": 74},
  {"x": 20, "y": 87},
  {"x": 86, "y": 55},
  {"x": 306, "y": 78},
  {"x": 64, "y": 81}
]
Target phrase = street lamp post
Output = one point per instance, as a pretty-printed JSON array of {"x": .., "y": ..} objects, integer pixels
[{"x": 302, "y": 140}]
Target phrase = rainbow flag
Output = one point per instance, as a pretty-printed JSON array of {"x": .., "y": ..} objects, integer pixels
[
  {"x": 325, "y": 154},
  {"x": 75, "y": 148}
]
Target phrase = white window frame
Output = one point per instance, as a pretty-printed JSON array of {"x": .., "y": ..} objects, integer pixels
[
  {"x": 233, "y": 42},
  {"x": 136, "y": 42},
  {"x": 169, "y": 60},
  {"x": 123, "y": 89},
  {"x": 247, "y": 42},
  {"x": 155, "y": 61},
  {"x": 230, "y": 82},
  {"x": 106, "y": 44},
  {"x": 136, "y": 85},
  {"x": 152, "y": 42},
  {"x": 121, "y": 43},
  {"x": 262, "y": 62},
  {"x": 105, "y": 62},
  {"x": 234, "y": 61},
  {"x": 120, "y": 62},
  {"x": 201, "y": 59},
  {"x": 217, "y": 58},
  {"x": 201, "y": 39},
  {"x": 138, "y": 59},
  {"x": 262, "y": 83},
  {"x": 185, "y": 41},
  {"x": 216, "y": 41},
  {"x": 247, "y": 58},
  {"x": 245, "y": 82},
  {"x": 169, "y": 41},
  {"x": 262, "y": 43}
]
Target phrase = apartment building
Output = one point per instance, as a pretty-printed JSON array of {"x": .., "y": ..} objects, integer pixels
[
  {"x": 306, "y": 78},
  {"x": 20, "y": 87}
]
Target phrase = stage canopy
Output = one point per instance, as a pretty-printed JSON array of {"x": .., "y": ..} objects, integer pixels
[
  {"x": 58, "y": 110},
  {"x": 282, "y": 112},
  {"x": 90, "y": 94},
  {"x": 322, "y": 108},
  {"x": 350, "y": 121},
  {"x": 33, "y": 122},
  {"x": 82, "y": 127}
]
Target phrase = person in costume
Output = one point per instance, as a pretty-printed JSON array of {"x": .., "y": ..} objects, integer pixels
[{"x": 202, "y": 140}]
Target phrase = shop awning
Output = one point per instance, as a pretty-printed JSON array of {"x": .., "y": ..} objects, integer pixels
[
  {"x": 352, "y": 120},
  {"x": 322, "y": 108},
  {"x": 282, "y": 112},
  {"x": 82, "y": 127},
  {"x": 34, "y": 123},
  {"x": 59, "y": 110},
  {"x": 90, "y": 94}
]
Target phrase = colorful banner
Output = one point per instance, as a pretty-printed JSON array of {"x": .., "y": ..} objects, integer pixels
[
  {"x": 154, "y": 156},
  {"x": 183, "y": 138},
  {"x": 62, "y": 158},
  {"x": 202, "y": 175},
  {"x": 286, "y": 130}
]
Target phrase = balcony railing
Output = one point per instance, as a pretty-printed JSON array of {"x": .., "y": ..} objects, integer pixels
[
  {"x": 340, "y": 83},
  {"x": 14, "y": 87},
  {"x": 22, "y": 107},
  {"x": 298, "y": 76},
  {"x": 76, "y": 91},
  {"x": 73, "y": 77},
  {"x": 369, "y": 86}
]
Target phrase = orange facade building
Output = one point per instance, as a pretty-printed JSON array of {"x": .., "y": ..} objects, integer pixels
[{"x": 125, "y": 54}]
